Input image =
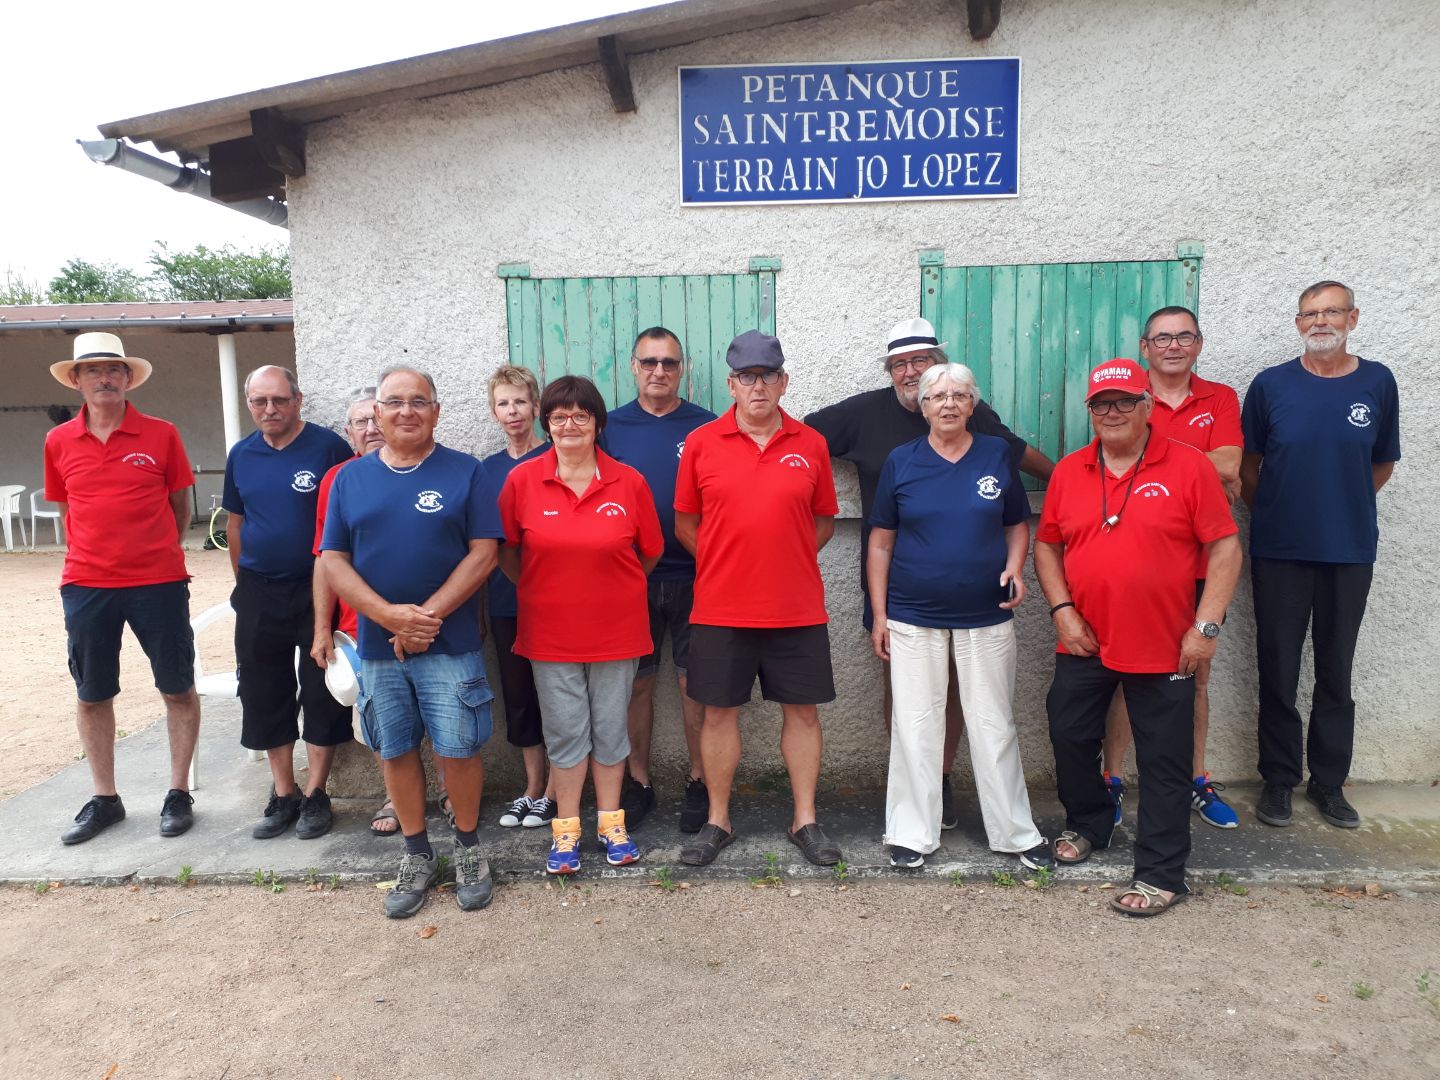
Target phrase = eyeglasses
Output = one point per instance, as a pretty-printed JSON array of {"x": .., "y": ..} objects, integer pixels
[
  {"x": 747, "y": 378},
  {"x": 947, "y": 398},
  {"x": 1121, "y": 405},
  {"x": 650, "y": 363},
  {"x": 395, "y": 404},
  {"x": 1330, "y": 314},
  {"x": 1162, "y": 341},
  {"x": 579, "y": 419},
  {"x": 363, "y": 422},
  {"x": 270, "y": 402},
  {"x": 914, "y": 363}
]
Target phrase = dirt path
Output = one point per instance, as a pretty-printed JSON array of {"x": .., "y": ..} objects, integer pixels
[{"x": 721, "y": 980}]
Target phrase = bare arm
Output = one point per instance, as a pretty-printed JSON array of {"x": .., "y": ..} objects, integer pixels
[
  {"x": 687, "y": 529},
  {"x": 878, "y": 554},
  {"x": 1036, "y": 464},
  {"x": 322, "y": 647},
  {"x": 1017, "y": 546},
  {"x": 232, "y": 542},
  {"x": 405, "y": 619},
  {"x": 1223, "y": 558},
  {"x": 180, "y": 507},
  {"x": 824, "y": 530},
  {"x": 1074, "y": 632},
  {"x": 1381, "y": 471},
  {"x": 1250, "y": 477},
  {"x": 1226, "y": 460},
  {"x": 469, "y": 574},
  {"x": 509, "y": 559}
]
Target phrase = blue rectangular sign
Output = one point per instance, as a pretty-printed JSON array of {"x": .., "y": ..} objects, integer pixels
[{"x": 904, "y": 129}]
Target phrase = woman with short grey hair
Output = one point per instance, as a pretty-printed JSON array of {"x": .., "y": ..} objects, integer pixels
[{"x": 949, "y": 532}]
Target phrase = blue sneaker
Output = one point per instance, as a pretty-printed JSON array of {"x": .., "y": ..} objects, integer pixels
[
  {"x": 564, "y": 855},
  {"x": 620, "y": 850},
  {"x": 1212, "y": 809},
  {"x": 1115, "y": 788}
]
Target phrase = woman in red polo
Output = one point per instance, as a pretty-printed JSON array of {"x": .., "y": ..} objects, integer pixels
[{"x": 581, "y": 534}]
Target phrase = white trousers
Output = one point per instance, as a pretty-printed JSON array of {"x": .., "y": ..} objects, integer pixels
[{"x": 985, "y": 663}]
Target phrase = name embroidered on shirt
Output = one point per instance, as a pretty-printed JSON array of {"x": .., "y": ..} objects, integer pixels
[{"x": 551, "y": 513}]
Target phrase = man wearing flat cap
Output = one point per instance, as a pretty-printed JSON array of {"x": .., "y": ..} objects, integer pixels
[
  {"x": 121, "y": 479},
  {"x": 755, "y": 503}
]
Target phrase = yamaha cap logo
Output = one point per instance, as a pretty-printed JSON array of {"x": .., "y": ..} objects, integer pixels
[
  {"x": 429, "y": 502},
  {"x": 304, "y": 481},
  {"x": 1359, "y": 414},
  {"x": 1101, "y": 374},
  {"x": 988, "y": 487}
]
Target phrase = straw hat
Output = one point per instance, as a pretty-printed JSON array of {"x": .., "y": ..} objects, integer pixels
[{"x": 101, "y": 346}]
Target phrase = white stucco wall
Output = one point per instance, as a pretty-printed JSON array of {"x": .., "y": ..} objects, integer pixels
[{"x": 1296, "y": 140}]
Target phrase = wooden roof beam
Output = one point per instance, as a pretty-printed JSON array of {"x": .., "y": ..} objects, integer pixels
[{"x": 617, "y": 73}]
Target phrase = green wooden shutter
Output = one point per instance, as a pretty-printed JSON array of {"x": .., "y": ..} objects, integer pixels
[
  {"x": 585, "y": 326},
  {"x": 1032, "y": 333}
]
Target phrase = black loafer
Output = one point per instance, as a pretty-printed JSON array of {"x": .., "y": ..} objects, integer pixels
[
  {"x": 176, "y": 817},
  {"x": 708, "y": 843},
  {"x": 1274, "y": 806},
  {"x": 1333, "y": 806},
  {"x": 316, "y": 816},
  {"x": 815, "y": 845},
  {"x": 94, "y": 817}
]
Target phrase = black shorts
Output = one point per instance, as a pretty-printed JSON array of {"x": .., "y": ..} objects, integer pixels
[
  {"x": 272, "y": 620},
  {"x": 670, "y": 603},
  {"x": 517, "y": 686},
  {"x": 793, "y": 663},
  {"x": 159, "y": 615}
]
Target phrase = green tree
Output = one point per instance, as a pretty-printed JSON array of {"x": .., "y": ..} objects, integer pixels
[
  {"x": 81, "y": 282},
  {"x": 14, "y": 289},
  {"x": 224, "y": 273}
]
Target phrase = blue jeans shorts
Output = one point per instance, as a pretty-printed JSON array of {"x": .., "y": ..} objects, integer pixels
[{"x": 437, "y": 694}]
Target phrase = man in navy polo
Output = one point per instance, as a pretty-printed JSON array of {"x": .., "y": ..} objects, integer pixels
[
  {"x": 1322, "y": 435},
  {"x": 648, "y": 435},
  {"x": 272, "y": 482}
]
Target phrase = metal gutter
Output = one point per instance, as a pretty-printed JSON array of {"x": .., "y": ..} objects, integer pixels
[
  {"x": 178, "y": 178},
  {"x": 238, "y": 324}
]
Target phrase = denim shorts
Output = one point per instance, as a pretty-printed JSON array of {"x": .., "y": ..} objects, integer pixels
[
  {"x": 158, "y": 614},
  {"x": 670, "y": 603},
  {"x": 437, "y": 694}
]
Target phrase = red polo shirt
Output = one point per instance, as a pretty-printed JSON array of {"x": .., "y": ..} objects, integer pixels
[
  {"x": 582, "y": 591},
  {"x": 348, "y": 619},
  {"x": 756, "y": 563},
  {"x": 120, "y": 528},
  {"x": 1207, "y": 420},
  {"x": 1135, "y": 584}
]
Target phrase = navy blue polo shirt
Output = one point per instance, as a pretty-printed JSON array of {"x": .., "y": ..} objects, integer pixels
[
  {"x": 651, "y": 445},
  {"x": 406, "y": 532},
  {"x": 276, "y": 492},
  {"x": 949, "y": 522},
  {"x": 1319, "y": 437},
  {"x": 501, "y": 599}
]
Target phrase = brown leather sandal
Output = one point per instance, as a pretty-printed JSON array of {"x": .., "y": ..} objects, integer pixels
[{"x": 1083, "y": 848}]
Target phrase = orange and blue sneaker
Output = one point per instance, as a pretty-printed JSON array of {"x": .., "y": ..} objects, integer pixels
[
  {"x": 1213, "y": 810},
  {"x": 1115, "y": 788},
  {"x": 564, "y": 855},
  {"x": 620, "y": 850}
]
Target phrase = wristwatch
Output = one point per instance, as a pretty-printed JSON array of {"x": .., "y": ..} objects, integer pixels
[{"x": 1208, "y": 629}]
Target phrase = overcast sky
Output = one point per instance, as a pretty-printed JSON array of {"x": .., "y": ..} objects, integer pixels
[{"x": 70, "y": 66}]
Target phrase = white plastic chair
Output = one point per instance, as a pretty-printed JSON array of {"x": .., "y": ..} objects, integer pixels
[
  {"x": 37, "y": 498},
  {"x": 10, "y": 506},
  {"x": 224, "y": 684}
]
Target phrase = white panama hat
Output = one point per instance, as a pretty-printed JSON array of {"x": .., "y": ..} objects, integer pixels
[
  {"x": 96, "y": 345},
  {"x": 910, "y": 334},
  {"x": 342, "y": 675}
]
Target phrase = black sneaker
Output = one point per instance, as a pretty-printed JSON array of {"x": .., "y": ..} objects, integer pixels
[
  {"x": 176, "y": 816},
  {"x": 949, "y": 817},
  {"x": 905, "y": 859},
  {"x": 696, "y": 810},
  {"x": 280, "y": 813},
  {"x": 541, "y": 812},
  {"x": 1274, "y": 805},
  {"x": 637, "y": 800},
  {"x": 1333, "y": 806},
  {"x": 94, "y": 817},
  {"x": 1039, "y": 857},
  {"x": 316, "y": 817}
]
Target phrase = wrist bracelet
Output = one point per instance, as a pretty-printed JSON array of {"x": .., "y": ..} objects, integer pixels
[{"x": 1062, "y": 604}]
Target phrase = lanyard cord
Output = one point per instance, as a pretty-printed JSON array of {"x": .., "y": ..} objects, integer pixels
[{"x": 1108, "y": 521}]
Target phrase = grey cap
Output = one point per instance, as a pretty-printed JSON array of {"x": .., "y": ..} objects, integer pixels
[{"x": 753, "y": 349}]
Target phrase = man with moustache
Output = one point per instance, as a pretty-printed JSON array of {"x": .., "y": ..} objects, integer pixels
[{"x": 1322, "y": 435}]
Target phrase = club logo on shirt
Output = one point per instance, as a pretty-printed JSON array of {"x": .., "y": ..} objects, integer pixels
[
  {"x": 612, "y": 509},
  {"x": 679, "y": 449},
  {"x": 140, "y": 460},
  {"x": 1203, "y": 419},
  {"x": 795, "y": 461},
  {"x": 304, "y": 481},
  {"x": 988, "y": 487},
  {"x": 429, "y": 502},
  {"x": 1359, "y": 414},
  {"x": 1153, "y": 490}
]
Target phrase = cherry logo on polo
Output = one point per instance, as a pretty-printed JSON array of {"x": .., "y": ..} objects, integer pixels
[
  {"x": 140, "y": 460},
  {"x": 1153, "y": 490},
  {"x": 1359, "y": 414},
  {"x": 1203, "y": 419},
  {"x": 304, "y": 481},
  {"x": 612, "y": 509},
  {"x": 429, "y": 502},
  {"x": 795, "y": 461},
  {"x": 988, "y": 487}
]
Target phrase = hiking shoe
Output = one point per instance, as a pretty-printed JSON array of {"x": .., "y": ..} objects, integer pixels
[
  {"x": 949, "y": 816},
  {"x": 176, "y": 817},
  {"x": 1274, "y": 805},
  {"x": 696, "y": 810},
  {"x": 1212, "y": 809},
  {"x": 1333, "y": 806},
  {"x": 94, "y": 817},
  {"x": 473, "y": 888},
  {"x": 316, "y": 817},
  {"x": 516, "y": 812},
  {"x": 564, "y": 857},
  {"x": 614, "y": 838},
  {"x": 407, "y": 896},
  {"x": 1115, "y": 788},
  {"x": 905, "y": 859},
  {"x": 542, "y": 812},
  {"x": 280, "y": 813},
  {"x": 1039, "y": 857},
  {"x": 638, "y": 800}
]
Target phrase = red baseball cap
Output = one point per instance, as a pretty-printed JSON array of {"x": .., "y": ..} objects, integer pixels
[{"x": 1118, "y": 374}]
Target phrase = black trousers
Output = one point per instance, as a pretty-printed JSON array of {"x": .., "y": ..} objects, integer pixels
[
  {"x": 517, "y": 685},
  {"x": 1162, "y": 717},
  {"x": 1328, "y": 599}
]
